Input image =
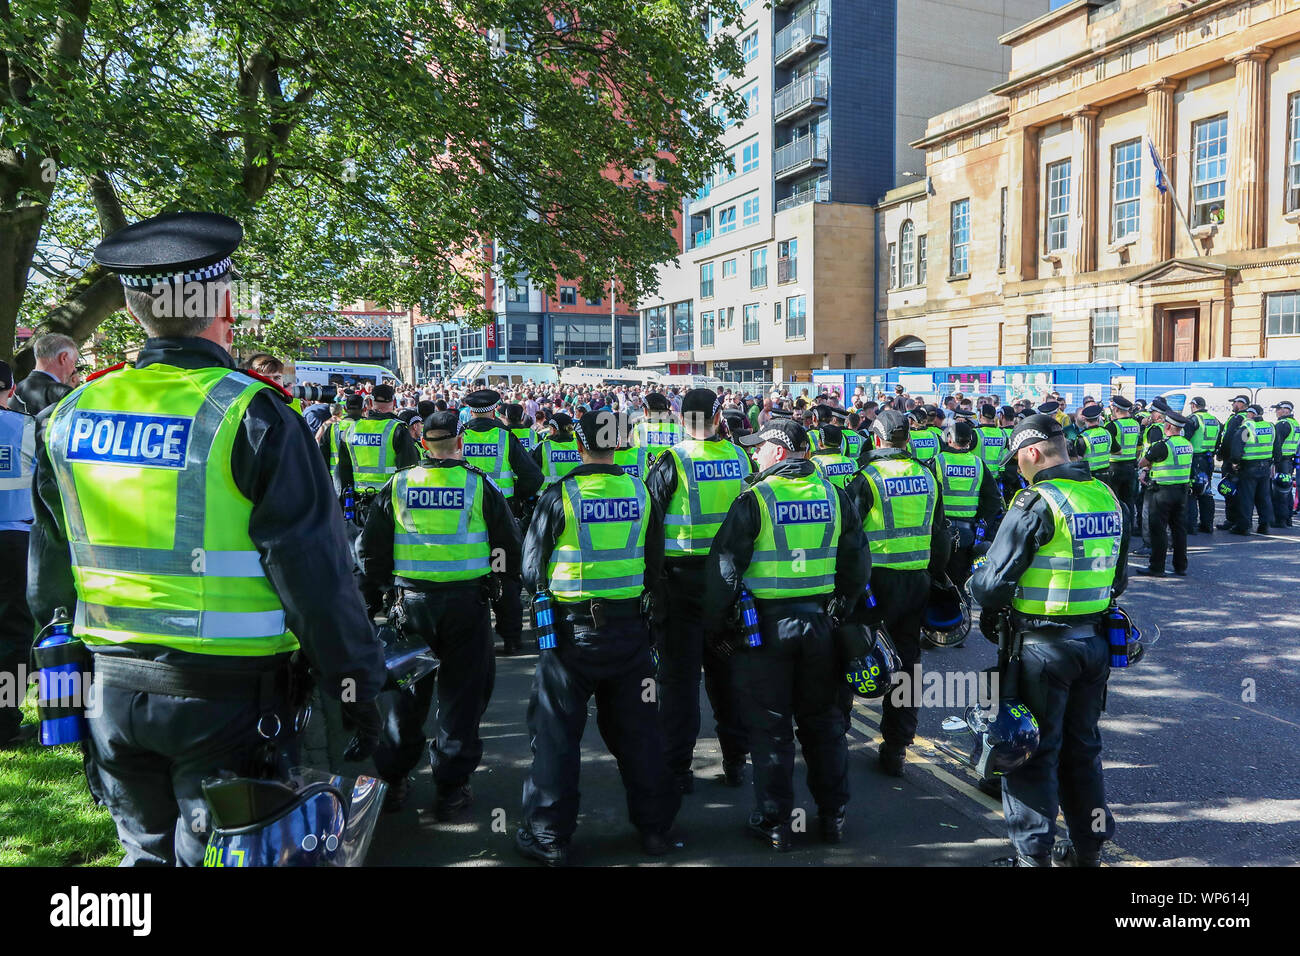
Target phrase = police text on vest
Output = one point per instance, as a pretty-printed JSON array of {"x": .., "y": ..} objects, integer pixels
[{"x": 120, "y": 438}]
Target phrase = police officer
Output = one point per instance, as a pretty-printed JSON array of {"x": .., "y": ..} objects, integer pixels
[
  {"x": 924, "y": 442},
  {"x": 183, "y": 511},
  {"x": 1170, "y": 461},
  {"x": 831, "y": 463},
  {"x": 1093, "y": 444},
  {"x": 1057, "y": 562},
  {"x": 794, "y": 542},
  {"x": 901, "y": 504},
  {"x": 1125, "y": 445},
  {"x": 633, "y": 459},
  {"x": 557, "y": 454},
  {"x": 518, "y": 426},
  {"x": 1205, "y": 440},
  {"x": 849, "y": 422},
  {"x": 437, "y": 532},
  {"x": 17, "y": 465},
  {"x": 694, "y": 483},
  {"x": 657, "y": 430},
  {"x": 378, "y": 445},
  {"x": 333, "y": 441},
  {"x": 1286, "y": 442},
  {"x": 596, "y": 543},
  {"x": 971, "y": 501},
  {"x": 1250, "y": 454},
  {"x": 494, "y": 450},
  {"x": 1236, "y": 420}
]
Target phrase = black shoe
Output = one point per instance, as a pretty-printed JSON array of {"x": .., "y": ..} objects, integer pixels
[
  {"x": 1020, "y": 860},
  {"x": 685, "y": 782},
  {"x": 511, "y": 649},
  {"x": 399, "y": 791},
  {"x": 1065, "y": 853},
  {"x": 1224, "y": 526},
  {"x": 654, "y": 844},
  {"x": 733, "y": 772},
  {"x": 452, "y": 801},
  {"x": 552, "y": 854},
  {"x": 1150, "y": 573},
  {"x": 1244, "y": 534},
  {"x": 890, "y": 760},
  {"x": 775, "y": 835},
  {"x": 1262, "y": 529},
  {"x": 992, "y": 787},
  {"x": 1182, "y": 573},
  {"x": 1206, "y": 530},
  {"x": 832, "y": 825}
]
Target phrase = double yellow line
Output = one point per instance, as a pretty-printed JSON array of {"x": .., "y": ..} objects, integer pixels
[{"x": 865, "y": 723}]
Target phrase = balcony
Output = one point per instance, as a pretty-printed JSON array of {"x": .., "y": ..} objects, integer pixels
[
  {"x": 787, "y": 270},
  {"x": 701, "y": 238},
  {"x": 803, "y": 36},
  {"x": 819, "y": 191},
  {"x": 804, "y": 95},
  {"x": 805, "y": 153}
]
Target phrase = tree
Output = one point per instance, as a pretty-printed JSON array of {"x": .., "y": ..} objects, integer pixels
[{"x": 372, "y": 149}]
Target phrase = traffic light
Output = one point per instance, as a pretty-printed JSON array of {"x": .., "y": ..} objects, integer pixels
[{"x": 455, "y": 354}]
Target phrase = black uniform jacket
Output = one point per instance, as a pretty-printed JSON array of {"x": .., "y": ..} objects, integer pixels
[
  {"x": 295, "y": 525},
  {"x": 733, "y": 545},
  {"x": 376, "y": 550},
  {"x": 404, "y": 450},
  {"x": 1027, "y": 527},
  {"x": 548, "y": 523}
]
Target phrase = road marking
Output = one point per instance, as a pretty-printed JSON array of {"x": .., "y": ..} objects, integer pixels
[{"x": 991, "y": 810}]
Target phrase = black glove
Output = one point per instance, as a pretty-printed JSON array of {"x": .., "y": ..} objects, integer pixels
[
  {"x": 989, "y": 624},
  {"x": 363, "y": 718}
]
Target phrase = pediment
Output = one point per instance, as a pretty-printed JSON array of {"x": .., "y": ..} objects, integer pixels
[{"x": 1182, "y": 270}]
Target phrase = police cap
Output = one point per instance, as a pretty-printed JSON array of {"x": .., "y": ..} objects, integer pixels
[
  {"x": 355, "y": 401},
  {"x": 176, "y": 247},
  {"x": 1255, "y": 409},
  {"x": 1119, "y": 401},
  {"x": 1175, "y": 417},
  {"x": 832, "y": 436},
  {"x": 1049, "y": 408},
  {"x": 601, "y": 431},
  {"x": 408, "y": 415},
  {"x": 789, "y": 434},
  {"x": 1031, "y": 431},
  {"x": 1198, "y": 402},
  {"x": 562, "y": 421},
  {"x": 1091, "y": 411},
  {"x": 483, "y": 402},
  {"x": 890, "y": 425},
  {"x": 383, "y": 393},
  {"x": 701, "y": 401},
  {"x": 656, "y": 402},
  {"x": 441, "y": 425}
]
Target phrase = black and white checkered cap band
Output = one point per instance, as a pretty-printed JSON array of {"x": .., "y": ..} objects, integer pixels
[
  {"x": 175, "y": 278},
  {"x": 1027, "y": 437},
  {"x": 484, "y": 409},
  {"x": 717, "y": 403}
]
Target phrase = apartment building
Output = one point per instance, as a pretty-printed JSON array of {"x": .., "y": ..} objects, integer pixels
[
  {"x": 777, "y": 272},
  {"x": 1044, "y": 231}
]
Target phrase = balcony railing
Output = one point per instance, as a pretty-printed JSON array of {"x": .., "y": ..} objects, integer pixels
[
  {"x": 787, "y": 270},
  {"x": 819, "y": 191},
  {"x": 801, "y": 37},
  {"x": 803, "y": 153},
  {"x": 806, "y": 93},
  {"x": 701, "y": 238}
]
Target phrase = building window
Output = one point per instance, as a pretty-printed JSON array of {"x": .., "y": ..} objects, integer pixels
[
  {"x": 1284, "y": 314},
  {"x": 787, "y": 261},
  {"x": 751, "y": 323},
  {"x": 960, "y": 238},
  {"x": 1293, "y": 153},
  {"x": 1105, "y": 335},
  {"x": 1209, "y": 169},
  {"x": 776, "y": 312},
  {"x": 518, "y": 292},
  {"x": 683, "y": 330},
  {"x": 751, "y": 211},
  {"x": 568, "y": 295},
  {"x": 731, "y": 317},
  {"x": 1002, "y": 232},
  {"x": 921, "y": 243},
  {"x": 595, "y": 302},
  {"x": 656, "y": 329},
  {"x": 1126, "y": 189},
  {"x": 728, "y": 268},
  {"x": 1058, "y": 205},
  {"x": 749, "y": 46},
  {"x": 907, "y": 253},
  {"x": 749, "y": 157},
  {"x": 727, "y": 169},
  {"x": 1040, "y": 339},
  {"x": 893, "y": 266},
  {"x": 706, "y": 330},
  {"x": 758, "y": 268},
  {"x": 796, "y": 316},
  {"x": 749, "y": 96},
  {"x": 706, "y": 281},
  {"x": 727, "y": 220}
]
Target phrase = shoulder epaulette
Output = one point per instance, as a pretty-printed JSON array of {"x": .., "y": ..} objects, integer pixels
[{"x": 104, "y": 371}]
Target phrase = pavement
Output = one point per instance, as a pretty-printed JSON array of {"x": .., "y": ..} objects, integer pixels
[{"x": 1201, "y": 752}]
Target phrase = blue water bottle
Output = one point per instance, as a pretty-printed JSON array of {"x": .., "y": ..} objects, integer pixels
[
  {"x": 749, "y": 628},
  {"x": 869, "y": 598},
  {"x": 543, "y": 621},
  {"x": 349, "y": 504},
  {"x": 1117, "y": 634},
  {"x": 61, "y": 678}
]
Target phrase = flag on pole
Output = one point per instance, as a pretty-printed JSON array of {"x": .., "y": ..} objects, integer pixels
[{"x": 1162, "y": 181}]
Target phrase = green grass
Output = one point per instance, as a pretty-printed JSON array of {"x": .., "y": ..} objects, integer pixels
[{"x": 47, "y": 817}]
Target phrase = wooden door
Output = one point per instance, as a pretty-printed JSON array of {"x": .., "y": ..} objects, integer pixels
[{"x": 1182, "y": 323}]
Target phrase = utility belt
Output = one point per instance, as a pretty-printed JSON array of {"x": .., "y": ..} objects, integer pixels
[
  {"x": 483, "y": 583},
  {"x": 1181, "y": 486},
  {"x": 1055, "y": 634},
  {"x": 266, "y": 688},
  {"x": 601, "y": 610},
  {"x": 783, "y": 607}
]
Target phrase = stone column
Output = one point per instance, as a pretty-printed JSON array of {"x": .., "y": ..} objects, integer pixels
[
  {"x": 1084, "y": 198},
  {"x": 1022, "y": 206},
  {"x": 1157, "y": 207},
  {"x": 1247, "y": 143}
]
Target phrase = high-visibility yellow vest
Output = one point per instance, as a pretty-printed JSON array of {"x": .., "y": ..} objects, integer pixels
[
  {"x": 852, "y": 446},
  {"x": 336, "y": 439},
  {"x": 558, "y": 459},
  {"x": 527, "y": 437},
  {"x": 157, "y": 528},
  {"x": 710, "y": 474},
  {"x": 1206, "y": 436},
  {"x": 1176, "y": 469},
  {"x": 799, "y": 531},
  {"x": 902, "y": 514},
  {"x": 992, "y": 446},
  {"x": 1074, "y": 572},
  {"x": 836, "y": 468},
  {"x": 960, "y": 473},
  {"x": 489, "y": 452},
  {"x": 1097, "y": 454},
  {"x": 655, "y": 436},
  {"x": 925, "y": 444},
  {"x": 634, "y": 462},
  {"x": 1291, "y": 443},
  {"x": 1258, "y": 438},
  {"x": 370, "y": 444},
  {"x": 1130, "y": 438},
  {"x": 600, "y": 552},
  {"x": 439, "y": 532}
]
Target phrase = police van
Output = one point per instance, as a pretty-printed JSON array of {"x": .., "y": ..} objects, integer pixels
[
  {"x": 605, "y": 377},
  {"x": 505, "y": 373},
  {"x": 342, "y": 373}
]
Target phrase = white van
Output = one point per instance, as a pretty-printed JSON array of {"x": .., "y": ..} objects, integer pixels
[
  {"x": 690, "y": 381},
  {"x": 342, "y": 373},
  {"x": 599, "y": 377},
  {"x": 504, "y": 373}
]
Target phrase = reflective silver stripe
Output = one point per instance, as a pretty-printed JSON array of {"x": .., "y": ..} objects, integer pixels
[
  {"x": 469, "y": 564},
  {"x": 764, "y": 489},
  {"x": 1057, "y": 497},
  {"x": 788, "y": 584},
  {"x": 890, "y": 534},
  {"x": 402, "y": 481},
  {"x": 887, "y": 513},
  {"x": 177, "y": 623},
  {"x": 809, "y": 554},
  {"x": 576, "y": 556},
  {"x": 478, "y": 537},
  {"x": 571, "y": 586},
  {"x": 900, "y": 557},
  {"x": 212, "y": 564},
  {"x": 1063, "y": 595},
  {"x": 18, "y": 483},
  {"x": 1068, "y": 563},
  {"x": 678, "y": 521}
]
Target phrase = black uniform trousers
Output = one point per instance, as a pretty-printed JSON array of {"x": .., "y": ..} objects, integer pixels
[
  {"x": 1284, "y": 501},
  {"x": 456, "y": 625},
  {"x": 962, "y": 551},
  {"x": 17, "y": 628},
  {"x": 901, "y": 597},
  {"x": 152, "y": 751},
  {"x": 683, "y": 645},
  {"x": 1168, "y": 516},
  {"x": 611, "y": 662},
  {"x": 509, "y": 611},
  {"x": 1062, "y": 680},
  {"x": 793, "y": 680},
  {"x": 1254, "y": 494},
  {"x": 1200, "y": 508}
]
